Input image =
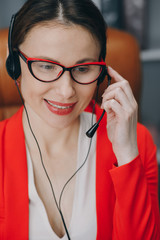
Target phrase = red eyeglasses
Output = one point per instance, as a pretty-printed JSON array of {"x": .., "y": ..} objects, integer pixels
[{"x": 49, "y": 71}]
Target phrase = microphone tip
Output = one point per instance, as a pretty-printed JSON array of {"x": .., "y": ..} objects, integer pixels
[{"x": 90, "y": 133}]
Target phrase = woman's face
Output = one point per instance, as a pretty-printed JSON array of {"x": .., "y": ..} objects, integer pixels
[{"x": 58, "y": 103}]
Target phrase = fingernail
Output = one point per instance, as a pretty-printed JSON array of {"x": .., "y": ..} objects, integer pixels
[{"x": 110, "y": 67}]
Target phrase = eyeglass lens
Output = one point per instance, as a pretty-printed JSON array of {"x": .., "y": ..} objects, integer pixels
[{"x": 47, "y": 71}]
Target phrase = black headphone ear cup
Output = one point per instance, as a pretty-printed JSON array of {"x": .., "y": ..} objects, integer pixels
[{"x": 13, "y": 65}]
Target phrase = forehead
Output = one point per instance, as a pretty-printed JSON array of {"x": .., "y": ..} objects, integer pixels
[{"x": 60, "y": 41}]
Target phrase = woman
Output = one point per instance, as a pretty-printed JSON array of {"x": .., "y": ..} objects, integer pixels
[{"x": 103, "y": 188}]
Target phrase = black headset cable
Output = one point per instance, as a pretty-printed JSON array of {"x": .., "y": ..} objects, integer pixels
[{"x": 41, "y": 158}]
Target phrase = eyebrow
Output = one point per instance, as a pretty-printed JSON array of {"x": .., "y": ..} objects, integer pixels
[
  {"x": 78, "y": 62},
  {"x": 87, "y": 60}
]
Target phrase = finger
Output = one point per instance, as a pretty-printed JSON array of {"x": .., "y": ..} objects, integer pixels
[
  {"x": 122, "y": 116},
  {"x": 119, "y": 95},
  {"x": 120, "y": 91},
  {"x": 113, "y": 105},
  {"x": 115, "y": 75},
  {"x": 122, "y": 83}
]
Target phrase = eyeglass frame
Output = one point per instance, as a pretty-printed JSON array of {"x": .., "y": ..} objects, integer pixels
[{"x": 29, "y": 62}]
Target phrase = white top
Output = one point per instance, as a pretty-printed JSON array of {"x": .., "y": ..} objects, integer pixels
[{"x": 83, "y": 223}]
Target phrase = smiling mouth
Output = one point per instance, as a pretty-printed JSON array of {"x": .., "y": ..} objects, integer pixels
[{"x": 58, "y": 106}]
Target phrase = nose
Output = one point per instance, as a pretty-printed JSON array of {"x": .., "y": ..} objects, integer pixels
[{"x": 65, "y": 86}]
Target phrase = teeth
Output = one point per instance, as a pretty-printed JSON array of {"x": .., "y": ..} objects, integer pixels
[{"x": 57, "y": 106}]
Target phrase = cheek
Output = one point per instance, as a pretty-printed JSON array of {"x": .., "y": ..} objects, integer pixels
[
  {"x": 25, "y": 80},
  {"x": 87, "y": 92},
  {"x": 30, "y": 87}
]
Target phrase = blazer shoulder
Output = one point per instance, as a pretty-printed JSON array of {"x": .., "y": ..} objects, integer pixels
[{"x": 10, "y": 123}]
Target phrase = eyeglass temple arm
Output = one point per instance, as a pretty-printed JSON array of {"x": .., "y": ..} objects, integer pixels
[{"x": 22, "y": 56}]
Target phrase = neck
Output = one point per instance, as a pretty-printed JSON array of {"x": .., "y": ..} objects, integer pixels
[{"x": 46, "y": 135}]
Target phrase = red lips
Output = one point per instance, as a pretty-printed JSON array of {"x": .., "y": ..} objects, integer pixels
[{"x": 60, "y": 108}]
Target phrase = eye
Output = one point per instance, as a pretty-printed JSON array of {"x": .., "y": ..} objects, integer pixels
[
  {"x": 46, "y": 66},
  {"x": 81, "y": 69}
]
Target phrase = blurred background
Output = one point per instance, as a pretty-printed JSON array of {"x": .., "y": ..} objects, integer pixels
[{"x": 141, "y": 18}]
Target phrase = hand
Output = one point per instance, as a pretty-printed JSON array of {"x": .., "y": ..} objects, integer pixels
[{"x": 121, "y": 107}]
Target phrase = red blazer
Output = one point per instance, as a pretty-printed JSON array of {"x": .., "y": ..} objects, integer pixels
[{"x": 126, "y": 197}]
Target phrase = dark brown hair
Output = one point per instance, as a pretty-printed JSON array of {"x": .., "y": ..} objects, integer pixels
[{"x": 81, "y": 12}]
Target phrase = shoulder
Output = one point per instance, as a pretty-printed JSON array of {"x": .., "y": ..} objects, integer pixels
[
  {"x": 12, "y": 140},
  {"x": 11, "y": 124}
]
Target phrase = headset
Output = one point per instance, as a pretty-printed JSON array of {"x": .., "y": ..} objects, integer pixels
[
  {"x": 14, "y": 71},
  {"x": 12, "y": 62}
]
